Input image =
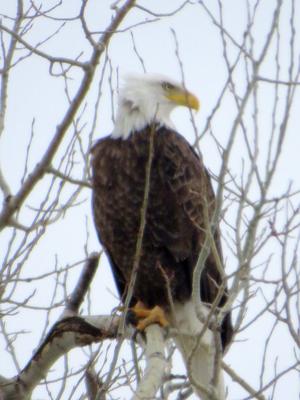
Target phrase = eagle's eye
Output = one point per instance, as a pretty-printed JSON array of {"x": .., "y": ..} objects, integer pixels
[{"x": 167, "y": 86}]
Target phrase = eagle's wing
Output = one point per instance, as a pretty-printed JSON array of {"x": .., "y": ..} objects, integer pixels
[
  {"x": 103, "y": 183},
  {"x": 191, "y": 183}
]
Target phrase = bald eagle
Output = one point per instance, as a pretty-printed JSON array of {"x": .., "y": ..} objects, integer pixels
[{"x": 180, "y": 196}]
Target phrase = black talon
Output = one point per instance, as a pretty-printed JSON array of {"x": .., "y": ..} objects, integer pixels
[{"x": 131, "y": 318}]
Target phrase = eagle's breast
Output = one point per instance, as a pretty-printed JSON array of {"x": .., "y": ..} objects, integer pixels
[{"x": 170, "y": 239}]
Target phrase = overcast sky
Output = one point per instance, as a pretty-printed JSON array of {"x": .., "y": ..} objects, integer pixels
[{"x": 38, "y": 99}]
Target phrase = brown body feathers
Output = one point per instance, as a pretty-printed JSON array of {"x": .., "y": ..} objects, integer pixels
[{"x": 180, "y": 203}]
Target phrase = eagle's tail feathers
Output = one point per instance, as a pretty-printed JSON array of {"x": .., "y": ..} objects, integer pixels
[
  {"x": 198, "y": 355},
  {"x": 200, "y": 366}
]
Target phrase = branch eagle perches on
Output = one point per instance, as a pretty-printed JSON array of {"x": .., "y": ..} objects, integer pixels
[{"x": 77, "y": 331}]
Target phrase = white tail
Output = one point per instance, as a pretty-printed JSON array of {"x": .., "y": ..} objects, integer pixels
[{"x": 199, "y": 357}]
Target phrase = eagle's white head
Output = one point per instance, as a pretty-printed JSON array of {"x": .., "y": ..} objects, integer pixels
[{"x": 145, "y": 99}]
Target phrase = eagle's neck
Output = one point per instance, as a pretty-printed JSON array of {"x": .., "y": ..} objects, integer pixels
[{"x": 132, "y": 118}]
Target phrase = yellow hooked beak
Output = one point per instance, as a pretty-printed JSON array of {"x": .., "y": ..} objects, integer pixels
[{"x": 183, "y": 98}]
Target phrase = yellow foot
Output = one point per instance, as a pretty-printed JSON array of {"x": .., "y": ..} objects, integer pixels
[
  {"x": 149, "y": 316},
  {"x": 146, "y": 316}
]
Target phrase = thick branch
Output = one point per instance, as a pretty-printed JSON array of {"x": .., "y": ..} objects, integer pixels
[
  {"x": 74, "y": 332},
  {"x": 87, "y": 274},
  {"x": 156, "y": 364},
  {"x": 64, "y": 336}
]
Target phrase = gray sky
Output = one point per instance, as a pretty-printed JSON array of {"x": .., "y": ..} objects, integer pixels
[{"x": 36, "y": 96}]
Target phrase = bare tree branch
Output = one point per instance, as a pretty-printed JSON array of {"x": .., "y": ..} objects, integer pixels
[
  {"x": 77, "y": 296},
  {"x": 156, "y": 364},
  {"x": 16, "y": 201}
]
